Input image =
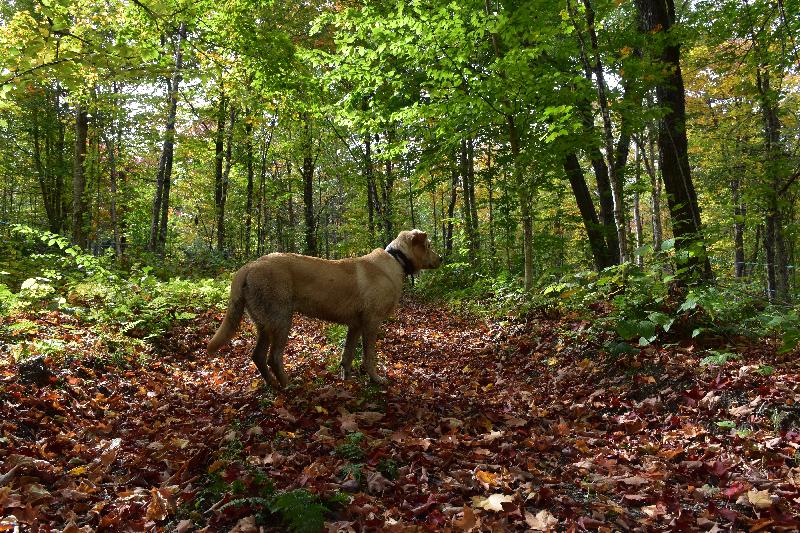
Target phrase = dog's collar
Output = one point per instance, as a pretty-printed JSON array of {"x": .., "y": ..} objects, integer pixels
[{"x": 408, "y": 268}]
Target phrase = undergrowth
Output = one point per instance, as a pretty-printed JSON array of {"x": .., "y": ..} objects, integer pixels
[
  {"x": 636, "y": 306},
  {"x": 47, "y": 273}
]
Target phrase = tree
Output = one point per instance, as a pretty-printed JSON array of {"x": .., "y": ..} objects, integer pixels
[{"x": 658, "y": 17}]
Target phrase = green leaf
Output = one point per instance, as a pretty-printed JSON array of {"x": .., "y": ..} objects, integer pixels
[
  {"x": 620, "y": 348},
  {"x": 628, "y": 329},
  {"x": 766, "y": 370}
]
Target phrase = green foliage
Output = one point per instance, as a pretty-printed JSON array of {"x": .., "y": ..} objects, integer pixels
[
  {"x": 352, "y": 471},
  {"x": 475, "y": 291},
  {"x": 301, "y": 511},
  {"x": 135, "y": 302},
  {"x": 718, "y": 358},
  {"x": 351, "y": 448},
  {"x": 256, "y": 502},
  {"x": 8, "y": 300},
  {"x": 387, "y": 467},
  {"x": 336, "y": 334}
]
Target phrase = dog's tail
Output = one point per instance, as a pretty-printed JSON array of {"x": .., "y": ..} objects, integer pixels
[{"x": 233, "y": 316}]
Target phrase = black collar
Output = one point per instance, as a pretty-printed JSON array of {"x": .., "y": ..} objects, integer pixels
[{"x": 408, "y": 268}]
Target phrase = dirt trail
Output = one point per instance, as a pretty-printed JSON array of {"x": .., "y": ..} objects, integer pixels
[{"x": 490, "y": 425}]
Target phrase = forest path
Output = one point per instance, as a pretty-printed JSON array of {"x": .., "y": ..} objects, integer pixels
[{"x": 484, "y": 425}]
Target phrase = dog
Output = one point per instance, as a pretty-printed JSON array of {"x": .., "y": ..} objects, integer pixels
[{"x": 359, "y": 292}]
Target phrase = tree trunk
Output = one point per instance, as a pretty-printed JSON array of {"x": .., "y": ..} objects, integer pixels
[
  {"x": 658, "y": 16},
  {"x": 739, "y": 212},
  {"x": 451, "y": 207},
  {"x": 225, "y": 176},
  {"x": 386, "y": 195},
  {"x": 62, "y": 171},
  {"x": 774, "y": 240},
  {"x": 411, "y": 196},
  {"x": 292, "y": 242},
  {"x": 113, "y": 148},
  {"x": 435, "y": 217},
  {"x": 608, "y": 137},
  {"x": 370, "y": 181},
  {"x": 606, "y": 197},
  {"x": 158, "y": 226},
  {"x": 45, "y": 174},
  {"x": 603, "y": 257},
  {"x": 490, "y": 190},
  {"x": 219, "y": 158},
  {"x": 248, "y": 222},
  {"x": 79, "y": 176},
  {"x": 308, "y": 188},
  {"x": 637, "y": 214},
  {"x": 525, "y": 209},
  {"x": 470, "y": 209}
]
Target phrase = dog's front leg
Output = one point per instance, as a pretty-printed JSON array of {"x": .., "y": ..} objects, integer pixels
[
  {"x": 353, "y": 334},
  {"x": 370, "y": 355}
]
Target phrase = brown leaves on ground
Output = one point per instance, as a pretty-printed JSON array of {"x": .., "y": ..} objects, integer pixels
[{"x": 485, "y": 426}]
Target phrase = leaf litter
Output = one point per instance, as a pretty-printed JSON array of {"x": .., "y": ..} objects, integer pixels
[{"x": 486, "y": 425}]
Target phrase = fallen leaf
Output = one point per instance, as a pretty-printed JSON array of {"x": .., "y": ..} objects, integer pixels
[
  {"x": 467, "y": 521},
  {"x": 492, "y": 503},
  {"x": 487, "y": 478},
  {"x": 760, "y": 499},
  {"x": 542, "y": 521}
]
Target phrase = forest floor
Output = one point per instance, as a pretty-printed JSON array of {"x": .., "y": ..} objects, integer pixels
[{"x": 485, "y": 425}]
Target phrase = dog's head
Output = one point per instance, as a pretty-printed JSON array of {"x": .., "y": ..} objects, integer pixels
[{"x": 417, "y": 248}]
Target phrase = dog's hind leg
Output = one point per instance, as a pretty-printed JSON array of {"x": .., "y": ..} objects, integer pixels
[
  {"x": 353, "y": 334},
  {"x": 370, "y": 335},
  {"x": 260, "y": 357},
  {"x": 280, "y": 337}
]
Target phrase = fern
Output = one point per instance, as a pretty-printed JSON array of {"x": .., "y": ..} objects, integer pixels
[
  {"x": 253, "y": 501},
  {"x": 300, "y": 510},
  {"x": 351, "y": 450}
]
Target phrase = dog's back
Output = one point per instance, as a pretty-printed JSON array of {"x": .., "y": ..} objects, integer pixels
[{"x": 346, "y": 291}]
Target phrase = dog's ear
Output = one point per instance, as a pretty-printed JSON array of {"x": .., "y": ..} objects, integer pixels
[{"x": 419, "y": 237}]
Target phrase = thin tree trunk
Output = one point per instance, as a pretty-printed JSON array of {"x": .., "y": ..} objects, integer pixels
[
  {"x": 410, "y": 195},
  {"x": 608, "y": 136},
  {"x": 248, "y": 223},
  {"x": 369, "y": 178},
  {"x": 490, "y": 190},
  {"x": 606, "y": 199},
  {"x": 113, "y": 147},
  {"x": 435, "y": 217},
  {"x": 448, "y": 240},
  {"x": 308, "y": 188},
  {"x": 226, "y": 174},
  {"x": 219, "y": 158},
  {"x": 61, "y": 165},
  {"x": 525, "y": 210},
  {"x": 79, "y": 176},
  {"x": 50, "y": 194},
  {"x": 637, "y": 215},
  {"x": 292, "y": 242},
  {"x": 739, "y": 212},
  {"x": 158, "y": 227},
  {"x": 471, "y": 210}
]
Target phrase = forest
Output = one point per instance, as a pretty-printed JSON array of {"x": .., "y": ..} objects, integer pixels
[{"x": 610, "y": 343}]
